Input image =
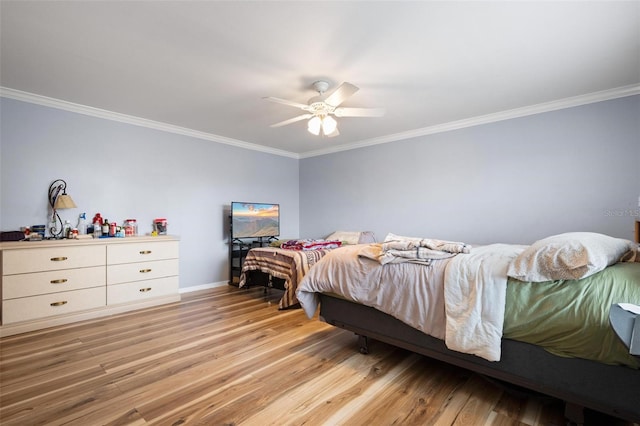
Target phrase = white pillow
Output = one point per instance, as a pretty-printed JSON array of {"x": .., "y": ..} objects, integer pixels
[{"x": 569, "y": 256}]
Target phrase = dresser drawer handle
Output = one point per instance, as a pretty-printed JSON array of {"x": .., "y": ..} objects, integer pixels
[
  {"x": 145, "y": 251},
  {"x": 144, "y": 290},
  {"x": 60, "y": 281},
  {"x": 144, "y": 271},
  {"x": 63, "y": 302},
  {"x": 58, "y": 259}
]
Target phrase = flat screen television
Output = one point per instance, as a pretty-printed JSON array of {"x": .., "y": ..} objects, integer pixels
[{"x": 254, "y": 220}]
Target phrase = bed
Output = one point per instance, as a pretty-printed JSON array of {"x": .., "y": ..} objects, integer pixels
[
  {"x": 288, "y": 266},
  {"x": 543, "y": 344}
]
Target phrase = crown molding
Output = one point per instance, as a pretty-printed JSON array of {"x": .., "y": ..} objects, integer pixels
[
  {"x": 136, "y": 121},
  {"x": 589, "y": 98}
]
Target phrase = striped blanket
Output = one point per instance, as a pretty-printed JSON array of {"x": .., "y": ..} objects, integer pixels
[{"x": 289, "y": 265}]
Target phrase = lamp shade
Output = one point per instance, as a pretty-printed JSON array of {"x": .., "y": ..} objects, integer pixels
[
  {"x": 329, "y": 125},
  {"x": 314, "y": 125},
  {"x": 64, "y": 201}
]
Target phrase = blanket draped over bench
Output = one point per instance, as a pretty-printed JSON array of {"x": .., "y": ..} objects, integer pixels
[{"x": 289, "y": 265}]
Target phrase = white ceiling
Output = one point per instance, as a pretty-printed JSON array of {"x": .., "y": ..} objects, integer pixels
[{"x": 206, "y": 65}]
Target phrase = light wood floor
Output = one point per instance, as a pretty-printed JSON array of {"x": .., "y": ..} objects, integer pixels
[{"x": 227, "y": 356}]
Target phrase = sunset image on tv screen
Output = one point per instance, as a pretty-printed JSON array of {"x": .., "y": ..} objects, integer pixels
[{"x": 255, "y": 220}]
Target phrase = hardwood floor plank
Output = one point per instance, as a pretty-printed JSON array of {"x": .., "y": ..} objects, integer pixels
[
  {"x": 378, "y": 385},
  {"x": 249, "y": 358},
  {"x": 233, "y": 403},
  {"x": 412, "y": 398},
  {"x": 229, "y": 356},
  {"x": 73, "y": 400},
  {"x": 247, "y": 394},
  {"x": 39, "y": 388},
  {"x": 329, "y": 387},
  {"x": 480, "y": 404},
  {"x": 43, "y": 369}
]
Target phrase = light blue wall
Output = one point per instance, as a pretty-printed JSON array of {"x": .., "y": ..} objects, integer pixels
[
  {"x": 512, "y": 181},
  {"x": 126, "y": 171}
]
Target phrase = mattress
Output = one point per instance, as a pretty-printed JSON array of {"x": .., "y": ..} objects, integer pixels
[{"x": 565, "y": 317}]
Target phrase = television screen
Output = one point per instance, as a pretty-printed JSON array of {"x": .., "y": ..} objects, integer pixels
[{"x": 254, "y": 220}]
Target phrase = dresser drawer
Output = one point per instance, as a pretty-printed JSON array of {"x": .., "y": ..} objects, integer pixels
[
  {"x": 51, "y": 258},
  {"x": 141, "y": 290},
  {"x": 117, "y": 274},
  {"x": 142, "y": 252},
  {"x": 34, "y": 307},
  {"x": 22, "y": 285}
]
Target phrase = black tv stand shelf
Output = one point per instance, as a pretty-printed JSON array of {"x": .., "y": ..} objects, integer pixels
[{"x": 238, "y": 249}]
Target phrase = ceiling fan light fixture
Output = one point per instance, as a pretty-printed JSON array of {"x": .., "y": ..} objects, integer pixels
[
  {"x": 314, "y": 124},
  {"x": 329, "y": 125},
  {"x": 321, "y": 108}
]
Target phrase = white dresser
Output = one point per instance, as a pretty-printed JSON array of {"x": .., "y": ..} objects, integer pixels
[
  {"x": 54, "y": 282},
  {"x": 140, "y": 271}
]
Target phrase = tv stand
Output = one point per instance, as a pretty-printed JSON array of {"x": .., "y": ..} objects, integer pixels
[{"x": 238, "y": 249}]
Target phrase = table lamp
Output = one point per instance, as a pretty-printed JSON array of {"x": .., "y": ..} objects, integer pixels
[{"x": 58, "y": 201}]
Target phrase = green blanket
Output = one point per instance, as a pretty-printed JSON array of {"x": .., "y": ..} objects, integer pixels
[{"x": 571, "y": 317}]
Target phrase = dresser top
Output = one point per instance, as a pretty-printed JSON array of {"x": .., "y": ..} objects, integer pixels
[{"x": 13, "y": 245}]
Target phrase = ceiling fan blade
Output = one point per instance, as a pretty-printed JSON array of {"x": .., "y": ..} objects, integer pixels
[
  {"x": 359, "y": 112},
  {"x": 286, "y": 102},
  {"x": 292, "y": 120},
  {"x": 341, "y": 94}
]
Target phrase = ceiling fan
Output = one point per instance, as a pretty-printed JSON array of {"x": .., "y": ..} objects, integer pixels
[{"x": 321, "y": 108}]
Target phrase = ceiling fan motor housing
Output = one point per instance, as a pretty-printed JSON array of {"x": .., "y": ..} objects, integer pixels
[
  {"x": 316, "y": 104},
  {"x": 318, "y": 107},
  {"x": 321, "y": 86}
]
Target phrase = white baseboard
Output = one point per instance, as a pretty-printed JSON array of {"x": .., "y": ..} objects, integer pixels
[{"x": 202, "y": 287}]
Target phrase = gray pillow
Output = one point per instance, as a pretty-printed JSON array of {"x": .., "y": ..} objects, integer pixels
[{"x": 367, "y": 237}]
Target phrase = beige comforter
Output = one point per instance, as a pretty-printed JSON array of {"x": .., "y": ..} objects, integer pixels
[{"x": 411, "y": 292}]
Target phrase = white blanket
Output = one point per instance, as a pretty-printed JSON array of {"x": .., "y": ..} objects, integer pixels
[{"x": 475, "y": 292}]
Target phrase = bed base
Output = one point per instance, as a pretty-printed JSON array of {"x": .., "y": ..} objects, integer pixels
[{"x": 613, "y": 390}]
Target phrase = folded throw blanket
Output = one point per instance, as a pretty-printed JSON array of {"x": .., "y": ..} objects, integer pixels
[
  {"x": 397, "y": 242},
  {"x": 397, "y": 249}
]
